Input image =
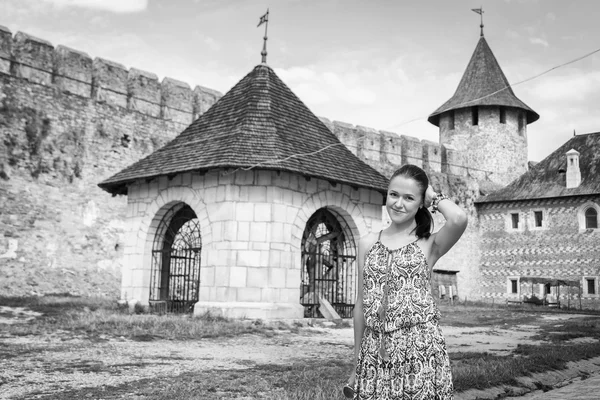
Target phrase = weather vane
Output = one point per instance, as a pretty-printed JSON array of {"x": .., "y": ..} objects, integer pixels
[
  {"x": 477, "y": 10},
  {"x": 264, "y": 20}
]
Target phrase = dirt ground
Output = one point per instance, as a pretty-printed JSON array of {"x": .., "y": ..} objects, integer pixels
[{"x": 38, "y": 366}]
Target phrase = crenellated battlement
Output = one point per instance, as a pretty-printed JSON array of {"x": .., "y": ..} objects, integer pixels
[
  {"x": 387, "y": 151},
  {"x": 73, "y": 71}
]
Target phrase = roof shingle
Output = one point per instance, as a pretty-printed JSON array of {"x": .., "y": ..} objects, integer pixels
[
  {"x": 483, "y": 84},
  {"x": 259, "y": 123}
]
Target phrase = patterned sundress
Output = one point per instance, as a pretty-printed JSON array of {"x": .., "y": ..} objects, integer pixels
[{"x": 403, "y": 352}]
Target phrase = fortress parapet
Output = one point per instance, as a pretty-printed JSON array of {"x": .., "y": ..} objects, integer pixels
[{"x": 73, "y": 71}]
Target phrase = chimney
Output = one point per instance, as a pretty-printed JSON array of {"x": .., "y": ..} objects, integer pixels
[{"x": 573, "y": 172}]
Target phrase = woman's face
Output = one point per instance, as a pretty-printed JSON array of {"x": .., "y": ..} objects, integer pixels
[{"x": 404, "y": 197}]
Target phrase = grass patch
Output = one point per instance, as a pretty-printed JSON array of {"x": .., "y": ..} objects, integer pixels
[
  {"x": 313, "y": 380},
  {"x": 102, "y": 317},
  {"x": 483, "y": 370},
  {"x": 574, "y": 329}
]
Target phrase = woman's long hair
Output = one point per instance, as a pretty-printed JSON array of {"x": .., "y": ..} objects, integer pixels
[{"x": 423, "y": 217}]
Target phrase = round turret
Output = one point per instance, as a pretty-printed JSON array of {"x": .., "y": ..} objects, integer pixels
[{"x": 486, "y": 121}]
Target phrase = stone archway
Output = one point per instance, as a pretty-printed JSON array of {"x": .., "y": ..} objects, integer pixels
[
  {"x": 176, "y": 261},
  {"x": 328, "y": 264},
  {"x": 144, "y": 221}
]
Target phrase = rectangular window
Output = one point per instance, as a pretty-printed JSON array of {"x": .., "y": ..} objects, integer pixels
[
  {"x": 475, "y": 115},
  {"x": 502, "y": 115},
  {"x": 591, "y": 286},
  {"x": 539, "y": 218},
  {"x": 451, "y": 120},
  {"x": 514, "y": 286},
  {"x": 547, "y": 288},
  {"x": 514, "y": 220}
]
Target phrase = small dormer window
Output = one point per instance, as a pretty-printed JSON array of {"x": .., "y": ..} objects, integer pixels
[{"x": 591, "y": 218}]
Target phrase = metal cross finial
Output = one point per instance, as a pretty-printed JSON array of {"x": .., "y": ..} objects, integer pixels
[
  {"x": 264, "y": 20},
  {"x": 480, "y": 12}
]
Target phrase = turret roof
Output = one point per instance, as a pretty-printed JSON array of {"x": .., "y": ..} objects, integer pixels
[
  {"x": 259, "y": 123},
  {"x": 483, "y": 84}
]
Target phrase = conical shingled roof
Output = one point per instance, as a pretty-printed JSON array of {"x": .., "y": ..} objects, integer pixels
[
  {"x": 483, "y": 77},
  {"x": 546, "y": 179},
  {"x": 258, "y": 121}
]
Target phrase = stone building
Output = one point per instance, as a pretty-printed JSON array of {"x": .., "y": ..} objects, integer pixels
[
  {"x": 540, "y": 233},
  {"x": 254, "y": 210}
]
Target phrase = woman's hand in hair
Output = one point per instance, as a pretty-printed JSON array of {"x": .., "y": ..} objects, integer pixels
[{"x": 430, "y": 194}]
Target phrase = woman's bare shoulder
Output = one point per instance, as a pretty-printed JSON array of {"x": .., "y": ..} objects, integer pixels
[{"x": 367, "y": 240}]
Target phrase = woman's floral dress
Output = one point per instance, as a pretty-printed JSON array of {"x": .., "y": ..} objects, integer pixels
[{"x": 403, "y": 352}]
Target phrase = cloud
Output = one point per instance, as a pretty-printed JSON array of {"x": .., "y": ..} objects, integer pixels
[
  {"x": 550, "y": 17},
  {"x": 210, "y": 42},
  {"x": 318, "y": 85},
  {"x": 512, "y": 34},
  {"x": 573, "y": 87},
  {"x": 539, "y": 40},
  {"x": 116, "y": 6}
]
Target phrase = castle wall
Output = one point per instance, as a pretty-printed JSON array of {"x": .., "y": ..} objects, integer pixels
[
  {"x": 476, "y": 143},
  {"x": 69, "y": 121},
  {"x": 561, "y": 248},
  {"x": 252, "y": 223}
]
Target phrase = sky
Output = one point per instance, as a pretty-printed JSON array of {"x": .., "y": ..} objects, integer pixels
[{"x": 383, "y": 64}]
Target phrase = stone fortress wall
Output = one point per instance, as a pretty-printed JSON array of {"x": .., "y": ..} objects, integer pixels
[{"x": 69, "y": 121}]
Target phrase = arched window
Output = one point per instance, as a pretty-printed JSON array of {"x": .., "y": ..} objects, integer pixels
[{"x": 591, "y": 218}]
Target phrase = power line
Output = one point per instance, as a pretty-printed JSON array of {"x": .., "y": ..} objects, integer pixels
[
  {"x": 276, "y": 161},
  {"x": 504, "y": 88}
]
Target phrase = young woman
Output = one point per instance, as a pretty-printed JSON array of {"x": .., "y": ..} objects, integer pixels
[{"x": 400, "y": 352}]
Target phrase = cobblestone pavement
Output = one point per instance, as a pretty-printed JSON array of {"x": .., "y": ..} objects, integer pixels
[{"x": 587, "y": 389}]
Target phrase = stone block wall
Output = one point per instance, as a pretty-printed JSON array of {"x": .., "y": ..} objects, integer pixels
[
  {"x": 507, "y": 141},
  {"x": 66, "y": 124},
  {"x": 252, "y": 225},
  {"x": 561, "y": 248}
]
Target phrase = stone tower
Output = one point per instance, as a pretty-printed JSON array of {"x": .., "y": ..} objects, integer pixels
[{"x": 486, "y": 121}]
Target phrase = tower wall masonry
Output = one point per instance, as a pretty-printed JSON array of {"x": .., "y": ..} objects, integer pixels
[{"x": 69, "y": 121}]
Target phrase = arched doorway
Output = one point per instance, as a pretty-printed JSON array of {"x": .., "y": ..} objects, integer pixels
[
  {"x": 328, "y": 264},
  {"x": 175, "y": 271}
]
